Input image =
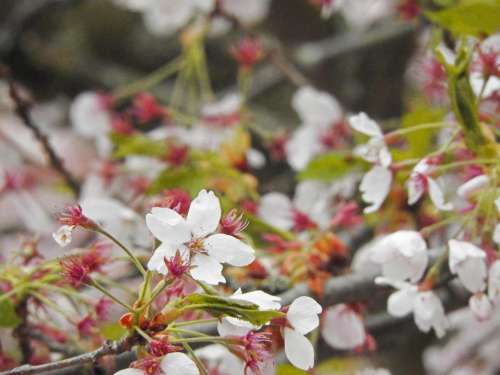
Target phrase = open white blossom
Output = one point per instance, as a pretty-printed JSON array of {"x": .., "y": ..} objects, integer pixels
[
  {"x": 468, "y": 262},
  {"x": 342, "y": 327},
  {"x": 375, "y": 151},
  {"x": 317, "y": 111},
  {"x": 90, "y": 118},
  {"x": 402, "y": 255},
  {"x": 428, "y": 311},
  {"x": 420, "y": 181},
  {"x": 302, "y": 316},
  {"x": 195, "y": 239}
]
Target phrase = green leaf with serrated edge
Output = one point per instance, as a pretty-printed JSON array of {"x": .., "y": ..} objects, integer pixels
[
  {"x": 8, "y": 315},
  {"x": 469, "y": 18},
  {"x": 113, "y": 331}
]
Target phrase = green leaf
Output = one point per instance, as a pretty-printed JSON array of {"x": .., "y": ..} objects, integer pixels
[
  {"x": 469, "y": 17},
  {"x": 137, "y": 145},
  {"x": 286, "y": 369},
  {"x": 8, "y": 315},
  {"x": 328, "y": 166},
  {"x": 113, "y": 331},
  {"x": 419, "y": 143},
  {"x": 222, "y": 306}
]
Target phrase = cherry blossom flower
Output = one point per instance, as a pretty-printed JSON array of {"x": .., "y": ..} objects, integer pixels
[
  {"x": 420, "y": 181},
  {"x": 90, "y": 115},
  {"x": 496, "y": 232},
  {"x": 342, "y": 327},
  {"x": 172, "y": 363},
  {"x": 375, "y": 151},
  {"x": 468, "y": 262},
  {"x": 318, "y": 111},
  {"x": 402, "y": 255},
  {"x": 310, "y": 207},
  {"x": 195, "y": 239},
  {"x": 301, "y": 318},
  {"x": 247, "y": 12},
  {"x": 164, "y": 17},
  {"x": 376, "y": 183},
  {"x": 428, "y": 311},
  {"x": 71, "y": 218}
]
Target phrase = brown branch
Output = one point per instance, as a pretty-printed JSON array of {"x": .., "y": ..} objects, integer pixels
[
  {"x": 22, "y": 109},
  {"x": 109, "y": 348}
]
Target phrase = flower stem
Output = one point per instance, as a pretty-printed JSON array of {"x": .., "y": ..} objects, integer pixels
[
  {"x": 132, "y": 257},
  {"x": 99, "y": 287}
]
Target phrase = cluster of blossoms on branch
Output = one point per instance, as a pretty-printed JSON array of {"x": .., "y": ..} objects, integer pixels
[{"x": 199, "y": 259}]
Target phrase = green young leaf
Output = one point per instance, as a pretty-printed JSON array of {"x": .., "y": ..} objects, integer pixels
[
  {"x": 137, "y": 145},
  {"x": 328, "y": 166},
  {"x": 223, "y": 306},
  {"x": 418, "y": 144},
  {"x": 473, "y": 17},
  {"x": 113, "y": 331},
  {"x": 8, "y": 316},
  {"x": 286, "y": 369}
]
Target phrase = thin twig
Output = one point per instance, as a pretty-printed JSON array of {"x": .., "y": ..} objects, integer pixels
[
  {"x": 109, "y": 348},
  {"x": 22, "y": 108}
]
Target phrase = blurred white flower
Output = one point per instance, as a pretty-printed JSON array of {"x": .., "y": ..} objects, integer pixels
[
  {"x": 375, "y": 187},
  {"x": 428, "y": 311},
  {"x": 468, "y": 262},
  {"x": 402, "y": 255},
  {"x": 342, "y": 327}
]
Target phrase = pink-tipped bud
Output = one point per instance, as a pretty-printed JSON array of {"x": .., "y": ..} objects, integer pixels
[
  {"x": 247, "y": 52},
  {"x": 146, "y": 108}
]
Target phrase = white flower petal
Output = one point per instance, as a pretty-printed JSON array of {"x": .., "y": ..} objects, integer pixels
[
  {"x": 168, "y": 251},
  {"x": 228, "y": 249},
  {"x": 204, "y": 214},
  {"x": 467, "y": 189},
  {"x": 276, "y": 210},
  {"x": 130, "y": 371},
  {"x": 233, "y": 327},
  {"x": 298, "y": 349},
  {"x": 429, "y": 313},
  {"x": 303, "y": 146},
  {"x": 437, "y": 196},
  {"x": 402, "y": 255},
  {"x": 469, "y": 262},
  {"x": 481, "y": 306},
  {"x": 262, "y": 299},
  {"x": 89, "y": 116},
  {"x": 178, "y": 364},
  {"x": 316, "y": 107},
  {"x": 496, "y": 234},
  {"x": 494, "y": 280},
  {"x": 375, "y": 186},
  {"x": 342, "y": 328},
  {"x": 207, "y": 269},
  {"x": 303, "y": 314},
  {"x": 364, "y": 124},
  {"x": 168, "y": 226},
  {"x": 401, "y": 302}
]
